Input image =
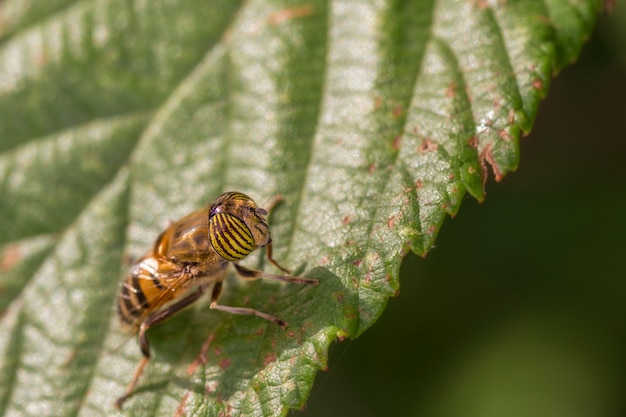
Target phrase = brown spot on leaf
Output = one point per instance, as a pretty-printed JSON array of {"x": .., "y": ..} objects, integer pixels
[
  {"x": 289, "y": 13},
  {"x": 486, "y": 157},
  {"x": 224, "y": 364},
  {"x": 512, "y": 117},
  {"x": 480, "y": 4},
  {"x": 371, "y": 168},
  {"x": 419, "y": 183},
  {"x": 211, "y": 387},
  {"x": 269, "y": 358},
  {"x": 370, "y": 268},
  {"x": 357, "y": 262},
  {"x": 378, "y": 102},
  {"x": 427, "y": 145},
  {"x": 537, "y": 84},
  {"x": 396, "y": 143},
  {"x": 346, "y": 219},
  {"x": 398, "y": 110},
  {"x": 497, "y": 103},
  {"x": 340, "y": 298},
  {"x": 451, "y": 90},
  {"x": 505, "y": 135},
  {"x": 10, "y": 256},
  {"x": 473, "y": 142}
]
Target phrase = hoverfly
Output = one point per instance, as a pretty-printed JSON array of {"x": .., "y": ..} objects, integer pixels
[{"x": 190, "y": 256}]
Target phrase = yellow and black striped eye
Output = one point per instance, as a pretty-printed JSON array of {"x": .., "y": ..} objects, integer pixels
[{"x": 230, "y": 237}]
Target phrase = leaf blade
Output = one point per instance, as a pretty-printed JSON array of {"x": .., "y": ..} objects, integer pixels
[{"x": 372, "y": 120}]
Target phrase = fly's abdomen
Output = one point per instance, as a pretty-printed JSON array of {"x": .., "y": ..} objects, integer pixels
[{"x": 140, "y": 292}]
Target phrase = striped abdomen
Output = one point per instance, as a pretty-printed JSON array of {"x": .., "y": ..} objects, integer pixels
[{"x": 143, "y": 291}]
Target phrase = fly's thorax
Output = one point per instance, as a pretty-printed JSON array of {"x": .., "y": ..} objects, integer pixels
[
  {"x": 237, "y": 226},
  {"x": 210, "y": 273},
  {"x": 187, "y": 240}
]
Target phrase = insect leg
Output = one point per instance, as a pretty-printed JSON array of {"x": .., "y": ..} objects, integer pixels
[
  {"x": 164, "y": 315},
  {"x": 268, "y": 248},
  {"x": 217, "y": 290},
  {"x": 276, "y": 200},
  {"x": 268, "y": 254},
  {"x": 251, "y": 274},
  {"x": 131, "y": 387},
  {"x": 145, "y": 345}
]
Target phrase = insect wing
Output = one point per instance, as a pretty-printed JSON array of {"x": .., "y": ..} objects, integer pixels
[{"x": 151, "y": 284}]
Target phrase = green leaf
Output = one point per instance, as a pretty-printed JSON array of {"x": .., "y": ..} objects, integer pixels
[{"x": 372, "y": 119}]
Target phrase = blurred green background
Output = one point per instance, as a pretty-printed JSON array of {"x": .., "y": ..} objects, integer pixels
[{"x": 520, "y": 309}]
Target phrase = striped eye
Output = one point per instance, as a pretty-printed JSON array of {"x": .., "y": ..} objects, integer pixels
[{"x": 230, "y": 237}]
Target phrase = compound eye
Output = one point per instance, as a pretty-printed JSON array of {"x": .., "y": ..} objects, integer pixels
[
  {"x": 230, "y": 237},
  {"x": 261, "y": 211}
]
